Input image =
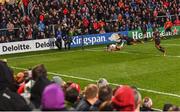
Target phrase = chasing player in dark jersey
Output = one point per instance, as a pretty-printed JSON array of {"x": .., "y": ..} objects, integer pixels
[{"x": 157, "y": 40}]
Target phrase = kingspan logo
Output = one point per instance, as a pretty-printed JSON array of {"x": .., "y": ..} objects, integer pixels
[{"x": 94, "y": 40}]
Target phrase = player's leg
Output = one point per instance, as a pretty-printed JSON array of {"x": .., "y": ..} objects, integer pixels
[
  {"x": 160, "y": 48},
  {"x": 123, "y": 43},
  {"x": 145, "y": 36}
]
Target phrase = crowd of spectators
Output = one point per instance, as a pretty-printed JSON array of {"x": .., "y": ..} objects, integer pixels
[
  {"x": 35, "y": 19},
  {"x": 32, "y": 90}
]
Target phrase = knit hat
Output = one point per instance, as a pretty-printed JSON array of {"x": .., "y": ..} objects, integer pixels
[
  {"x": 76, "y": 86},
  {"x": 123, "y": 99},
  {"x": 53, "y": 98}
]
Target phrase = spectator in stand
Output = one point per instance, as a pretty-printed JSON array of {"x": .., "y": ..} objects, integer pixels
[
  {"x": 177, "y": 21},
  {"x": 147, "y": 104},
  {"x": 105, "y": 94},
  {"x": 90, "y": 16},
  {"x": 41, "y": 28},
  {"x": 9, "y": 99},
  {"x": 39, "y": 75},
  {"x": 170, "y": 107},
  {"x": 168, "y": 25},
  {"x": 126, "y": 99},
  {"x": 102, "y": 82},
  {"x": 58, "y": 80},
  {"x": 72, "y": 98},
  {"x": 53, "y": 98},
  {"x": 90, "y": 98},
  {"x": 106, "y": 106},
  {"x": 29, "y": 31},
  {"x": 10, "y": 28}
]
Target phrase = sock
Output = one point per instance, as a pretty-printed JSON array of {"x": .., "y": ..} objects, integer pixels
[
  {"x": 161, "y": 49},
  {"x": 122, "y": 44}
]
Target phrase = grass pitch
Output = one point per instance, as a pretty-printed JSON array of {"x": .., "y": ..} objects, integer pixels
[{"x": 139, "y": 65}]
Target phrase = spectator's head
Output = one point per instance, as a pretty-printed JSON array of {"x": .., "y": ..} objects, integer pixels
[
  {"x": 71, "y": 94},
  {"x": 167, "y": 106},
  {"x": 53, "y": 98},
  {"x": 102, "y": 82},
  {"x": 105, "y": 93},
  {"x": 39, "y": 71},
  {"x": 58, "y": 80},
  {"x": 76, "y": 86},
  {"x": 20, "y": 77},
  {"x": 124, "y": 99},
  {"x": 147, "y": 102},
  {"x": 137, "y": 98},
  {"x": 171, "y": 108},
  {"x": 91, "y": 91},
  {"x": 6, "y": 77}
]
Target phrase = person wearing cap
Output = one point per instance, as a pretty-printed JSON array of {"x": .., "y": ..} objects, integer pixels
[
  {"x": 126, "y": 99},
  {"x": 53, "y": 98},
  {"x": 72, "y": 98}
]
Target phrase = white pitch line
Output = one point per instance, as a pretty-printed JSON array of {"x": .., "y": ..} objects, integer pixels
[
  {"x": 91, "y": 80},
  {"x": 91, "y": 49},
  {"x": 171, "y": 44},
  {"x": 125, "y": 52},
  {"x": 43, "y": 54}
]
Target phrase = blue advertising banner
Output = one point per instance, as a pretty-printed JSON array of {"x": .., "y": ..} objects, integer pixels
[{"x": 96, "y": 39}]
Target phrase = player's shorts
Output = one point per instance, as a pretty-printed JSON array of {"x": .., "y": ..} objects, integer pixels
[
  {"x": 168, "y": 30},
  {"x": 112, "y": 46},
  {"x": 157, "y": 41}
]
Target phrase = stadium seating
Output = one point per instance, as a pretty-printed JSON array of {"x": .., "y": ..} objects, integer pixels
[{"x": 32, "y": 19}]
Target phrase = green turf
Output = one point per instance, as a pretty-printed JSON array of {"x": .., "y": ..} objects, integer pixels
[{"x": 139, "y": 65}]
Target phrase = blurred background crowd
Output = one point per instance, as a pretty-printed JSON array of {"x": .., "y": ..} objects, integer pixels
[
  {"x": 33, "y": 90},
  {"x": 37, "y": 19}
]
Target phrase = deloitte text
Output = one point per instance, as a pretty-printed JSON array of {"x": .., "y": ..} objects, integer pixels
[
  {"x": 45, "y": 44},
  {"x": 19, "y": 47}
]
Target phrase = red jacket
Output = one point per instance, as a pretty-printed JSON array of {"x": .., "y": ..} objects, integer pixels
[
  {"x": 21, "y": 89},
  {"x": 41, "y": 17},
  {"x": 25, "y": 2},
  {"x": 177, "y": 22},
  {"x": 65, "y": 11},
  {"x": 101, "y": 23},
  {"x": 96, "y": 25},
  {"x": 73, "y": 11},
  {"x": 85, "y": 22},
  {"x": 81, "y": 2},
  {"x": 168, "y": 24}
]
